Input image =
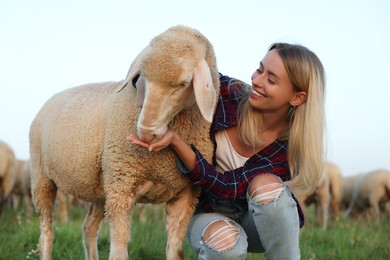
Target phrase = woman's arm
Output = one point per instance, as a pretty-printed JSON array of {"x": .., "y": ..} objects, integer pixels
[
  {"x": 227, "y": 185},
  {"x": 182, "y": 149}
]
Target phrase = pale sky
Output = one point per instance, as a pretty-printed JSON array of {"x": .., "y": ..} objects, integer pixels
[{"x": 49, "y": 46}]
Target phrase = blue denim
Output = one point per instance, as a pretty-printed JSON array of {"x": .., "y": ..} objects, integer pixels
[{"x": 271, "y": 228}]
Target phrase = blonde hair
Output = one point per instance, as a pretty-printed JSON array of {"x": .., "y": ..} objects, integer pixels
[{"x": 305, "y": 135}]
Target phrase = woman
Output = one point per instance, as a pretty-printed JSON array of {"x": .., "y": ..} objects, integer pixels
[{"x": 265, "y": 135}]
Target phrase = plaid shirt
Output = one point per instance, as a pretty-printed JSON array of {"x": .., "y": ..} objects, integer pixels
[{"x": 229, "y": 188}]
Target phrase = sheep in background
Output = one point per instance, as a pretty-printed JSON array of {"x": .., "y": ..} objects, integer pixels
[
  {"x": 78, "y": 142},
  {"x": 335, "y": 188},
  {"x": 64, "y": 203},
  {"x": 350, "y": 184},
  {"x": 328, "y": 194},
  {"x": 151, "y": 211},
  {"x": 320, "y": 196},
  {"x": 17, "y": 195},
  {"x": 371, "y": 193},
  {"x": 26, "y": 188},
  {"x": 7, "y": 172},
  {"x": 63, "y": 206}
]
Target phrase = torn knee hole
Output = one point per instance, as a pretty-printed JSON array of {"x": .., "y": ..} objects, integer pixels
[
  {"x": 221, "y": 234},
  {"x": 266, "y": 193}
]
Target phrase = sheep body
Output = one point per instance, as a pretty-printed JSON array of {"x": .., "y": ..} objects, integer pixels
[
  {"x": 350, "y": 184},
  {"x": 335, "y": 188},
  {"x": 7, "y": 171},
  {"x": 17, "y": 191},
  {"x": 26, "y": 188},
  {"x": 370, "y": 194},
  {"x": 328, "y": 194},
  {"x": 78, "y": 144},
  {"x": 320, "y": 196}
]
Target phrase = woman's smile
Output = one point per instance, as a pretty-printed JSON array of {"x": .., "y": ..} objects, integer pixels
[{"x": 256, "y": 94}]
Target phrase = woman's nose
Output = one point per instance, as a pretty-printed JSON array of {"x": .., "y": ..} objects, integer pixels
[{"x": 257, "y": 79}]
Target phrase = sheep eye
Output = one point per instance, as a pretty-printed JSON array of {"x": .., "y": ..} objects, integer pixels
[{"x": 184, "y": 84}]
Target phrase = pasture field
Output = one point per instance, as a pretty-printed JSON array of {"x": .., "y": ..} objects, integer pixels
[{"x": 346, "y": 239}]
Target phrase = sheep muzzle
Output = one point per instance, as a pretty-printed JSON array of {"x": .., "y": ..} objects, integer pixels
[{"x": 148, "y": 136}]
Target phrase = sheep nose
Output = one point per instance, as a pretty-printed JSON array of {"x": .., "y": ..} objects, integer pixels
[{"x": 145, "y": 136}]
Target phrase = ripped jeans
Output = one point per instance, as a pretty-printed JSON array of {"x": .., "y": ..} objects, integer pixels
[{"x": 270, "y": 226}]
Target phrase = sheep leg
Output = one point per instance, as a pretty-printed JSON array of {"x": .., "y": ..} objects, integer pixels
[
  {"x": 44, "y": 195},
  {"x": 335, "y": 199},
  {"x": 91, "y": 230},
  {"x": 118, "y": 209},
  {"x": 1, "y": 196},
  {"x": 386, "y": 210},
  {"x": 335, "y": 204},
  {"x": 29, "y": 209},
  {"x": 179, "y": 213},
  {"x": 15, "y": 201},
  {"x": 374, "y": 210},
  {"x": 325, "y": 214},
  {"x": 63, "y": 206},
  {"x": 323, "y": 201}
]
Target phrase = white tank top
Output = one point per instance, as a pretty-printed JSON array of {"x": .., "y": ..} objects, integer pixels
[{"x": 227, "y": 158}]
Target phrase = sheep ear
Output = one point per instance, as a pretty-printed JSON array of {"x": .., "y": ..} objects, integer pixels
[
  {"x": 134, "y": 70},
  {"x": 204, "y": 90}
]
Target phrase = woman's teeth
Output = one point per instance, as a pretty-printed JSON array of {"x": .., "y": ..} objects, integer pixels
[{"x": 257, "y": 94}]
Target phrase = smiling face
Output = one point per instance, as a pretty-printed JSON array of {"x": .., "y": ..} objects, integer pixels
[{"x": 273, "y": 90}]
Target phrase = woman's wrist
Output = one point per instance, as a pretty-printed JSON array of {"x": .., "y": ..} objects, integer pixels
[
  {"x": 184, "y": 151},
  {"x": 175, "y": 141}
]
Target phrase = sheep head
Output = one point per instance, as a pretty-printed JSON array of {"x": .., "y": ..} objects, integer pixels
[{"x": 176, "y": 77}]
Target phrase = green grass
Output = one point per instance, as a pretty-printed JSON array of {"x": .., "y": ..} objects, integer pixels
[{"x": 345, "y": 239}]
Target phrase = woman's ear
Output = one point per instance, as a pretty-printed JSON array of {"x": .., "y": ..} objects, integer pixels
[{"x": 298, "y": 99}]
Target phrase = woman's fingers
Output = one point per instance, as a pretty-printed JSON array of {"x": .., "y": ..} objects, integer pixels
[
  {"x": 164, "y": 142},
  {"x": 134, "y": 139}
]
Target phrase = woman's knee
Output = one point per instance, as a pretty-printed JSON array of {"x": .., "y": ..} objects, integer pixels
[
  {"x": 221, "y": 234},
  {"x": 265, "y": 188}
]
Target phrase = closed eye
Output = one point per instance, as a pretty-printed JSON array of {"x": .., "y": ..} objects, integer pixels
[
  {"x": 184, "y": 84},
  {"x": 179, "y": 88},
  {"x": 270, "y": 81}
]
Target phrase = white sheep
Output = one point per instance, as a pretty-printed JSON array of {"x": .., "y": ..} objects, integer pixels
[
  {"x": 78, "y": 142},
  {"x": 370, "y": 194},
  {"x": 64, "y": 203},
  {"x": 336, "y": 188},
  {"x": 350, "y": 184},
  {"x": 17, "y": 190},
  {"x": 26, "y": 187},
  {"x": 328, "y": 194},
  {"x": 7, "y": 172},
  {"x": 320, "y": 196}
]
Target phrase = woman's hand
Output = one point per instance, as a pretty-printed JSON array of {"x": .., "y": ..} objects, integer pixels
[
  {"x": 157, "y": 146},
  {"x": 135, "y": 140},
  {"x": 182, "y": 149}
]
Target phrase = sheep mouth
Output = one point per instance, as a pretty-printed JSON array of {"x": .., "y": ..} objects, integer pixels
[
  {"x": 150, "y": 135},
  {"x": 148, "y": 138}
]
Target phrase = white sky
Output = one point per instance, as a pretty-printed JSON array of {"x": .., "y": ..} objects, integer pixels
[{"x": 48, "y": 46}]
